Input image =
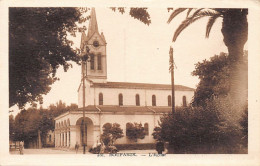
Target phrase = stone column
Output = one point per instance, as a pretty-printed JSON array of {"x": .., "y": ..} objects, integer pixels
[
  {"x": 73, "y": 136},
  {"x": 60, "y": 139},
  {"x": 68, "y": 144},
  {"x": 63, "y": 139},
  {"x": 96, "y": 134},
  {"x": 69, "y": 139},
  {"x": 56, "y": 137}
]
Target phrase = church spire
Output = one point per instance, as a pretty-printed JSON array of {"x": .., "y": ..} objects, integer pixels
[{"x": 92, "y": 27}]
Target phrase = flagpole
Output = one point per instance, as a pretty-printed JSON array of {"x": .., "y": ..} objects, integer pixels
[{"x": 172, "y": 78}]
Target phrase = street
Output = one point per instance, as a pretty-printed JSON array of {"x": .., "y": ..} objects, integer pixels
[{"x": 66, "y": 151}]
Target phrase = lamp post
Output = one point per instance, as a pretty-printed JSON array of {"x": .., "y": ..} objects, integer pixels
[
  {"x": 84, "y": 59},
  {"x": 172, "y": 78}
]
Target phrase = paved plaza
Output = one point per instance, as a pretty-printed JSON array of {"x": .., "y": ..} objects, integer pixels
[{"x": 66, "y": 151}]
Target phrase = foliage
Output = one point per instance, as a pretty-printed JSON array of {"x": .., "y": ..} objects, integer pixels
[
  {"x": 95, "y": 150},
  {"x": 135, "y": 131},
  {"x": 214, "y": 79},
  {"x": 235, "y": 35},
  {"x": 108, "y": 149},
  {"x": 214, "y": 75},
  {"x": 139, "y": 146},
  {"x": 244, "y": 124},
  {"x": 38, "y": 45},
  {"x": 28, "y": 122},
  {"x": 111, "y": 132},
  {"x": 216, "y": 128},
  {"x": 234, "y": 25},
  {"x": 157, "y": 133},
  {"x": 140, "y": 14},
  {"x": 11, "y": 128}
]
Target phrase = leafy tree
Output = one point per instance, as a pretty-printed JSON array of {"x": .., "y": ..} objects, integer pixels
[
  {"x": 38, "y": 45},
  {"x": 244, "y": 124},
  {"x": 28, "y": 122},
  {"x": 135, "y": 131},
  {"x": 46, "y": 123},
  {"x": 138, "y": 13},
  {"x": 214, "y": 78},
  {"x": 111, "y": 132},
  {"x": 157, "y": 133},
  {"x": 215, "y": 128},
  {"x": 11, "y": 128}
]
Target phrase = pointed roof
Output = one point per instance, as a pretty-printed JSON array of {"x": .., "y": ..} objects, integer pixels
[
  {"x": 92, "y": 27},
  {"x": 103, "y": 37}
]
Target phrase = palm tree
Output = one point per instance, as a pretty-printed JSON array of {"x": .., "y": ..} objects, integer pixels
[
  {"x": 234, "y": 26},
  {"x": 235, "y": 33}
]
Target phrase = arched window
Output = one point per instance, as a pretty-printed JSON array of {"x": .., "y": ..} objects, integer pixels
[
  {"x": 99, "y": 62},
  {"x": 169, "y": 100},
  {"x": 120, "y": 99},
  {"x": 49, "y": 138},
  {"x": 92, "y": 62},
  {"x": 146, "y": 129},
  {"x": 137, "y": 100},
  {"x": 184, "y": 102},
  {"x": 100, "y": 99},
  {"x": 153, "y": 100}
]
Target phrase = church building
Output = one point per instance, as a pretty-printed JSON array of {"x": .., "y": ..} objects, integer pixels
[{"x": 113, "y": 102}]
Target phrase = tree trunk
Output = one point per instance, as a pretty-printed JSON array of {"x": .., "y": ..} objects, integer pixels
[
  {"x": 235, "y": 32},
  {"x": 39, "y": 139}
]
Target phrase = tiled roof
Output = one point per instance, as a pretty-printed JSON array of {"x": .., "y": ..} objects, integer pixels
[
  {"x": 131, "y": 85},
  {"x": 127, "y": 109}
]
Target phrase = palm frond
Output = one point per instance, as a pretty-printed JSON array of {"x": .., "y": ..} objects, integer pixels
[
  {"x": 188, "y": 12},
  {"x": 210, "y": 23},
  {"x": 220, "y": 10},
  {"x": 175, "y": 13},
  {"x": 198, "y": 15},
  {"x": 196, "y": 12}
]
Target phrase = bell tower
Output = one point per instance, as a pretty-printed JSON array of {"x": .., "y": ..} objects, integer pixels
[{"x": 96, "y": 68}]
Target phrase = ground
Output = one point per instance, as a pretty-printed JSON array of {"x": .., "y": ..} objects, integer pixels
[{"x": 65, "y": 151}]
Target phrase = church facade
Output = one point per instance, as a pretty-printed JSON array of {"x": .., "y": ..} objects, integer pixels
[{"x": 113, "y": 102}]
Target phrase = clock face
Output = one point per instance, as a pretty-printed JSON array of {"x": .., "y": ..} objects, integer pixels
[{"x": 95, "y": 43}]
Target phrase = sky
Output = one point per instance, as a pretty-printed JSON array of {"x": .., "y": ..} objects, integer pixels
[{"x": 140, "y": 53}]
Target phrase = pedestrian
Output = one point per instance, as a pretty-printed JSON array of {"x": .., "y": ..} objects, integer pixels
[
  {"x": 21, "y": 148},
  {"x": 77, "y": 147},
  {"x": 159, "y": 147}
]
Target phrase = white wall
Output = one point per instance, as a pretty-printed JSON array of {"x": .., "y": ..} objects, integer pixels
[
  {"x": 100, "y": 119},
  {"x": 110, "y": 96}
]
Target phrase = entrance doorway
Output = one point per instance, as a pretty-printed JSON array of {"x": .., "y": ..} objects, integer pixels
[
  {"x": 89, "y": 132},
  {"x": 81, "y": 133}
]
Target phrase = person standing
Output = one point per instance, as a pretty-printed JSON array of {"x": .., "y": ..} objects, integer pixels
[
  {"x": 160, "y": 147},
  {"x": 21, "y": 148},
  {"x": 77, "y": 147}
]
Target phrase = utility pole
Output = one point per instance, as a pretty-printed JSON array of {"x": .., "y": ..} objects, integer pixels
[
  {"x": 84, "y": 69},
  {"x": 83, "y": 109},
  {"x": 172, "y": 78}
]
